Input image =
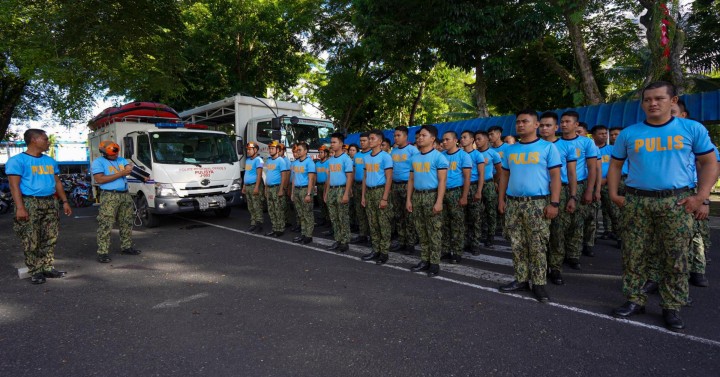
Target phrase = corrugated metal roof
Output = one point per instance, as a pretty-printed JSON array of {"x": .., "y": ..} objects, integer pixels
[{"x": 704, "y": 107}]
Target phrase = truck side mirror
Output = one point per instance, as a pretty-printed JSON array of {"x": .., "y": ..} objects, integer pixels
[
  {"x": 128, "y": 145},
  {"x": 276, "y": 135},
  {"x": 275, "y": 124},
  {"x": 294, "y": 120},
  {"x": 239, "y": 147}
]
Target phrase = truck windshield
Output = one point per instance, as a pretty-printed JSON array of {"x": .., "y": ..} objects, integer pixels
[
  {"x": 313, "y": 135},
  {"x": 192, "y": 148}
]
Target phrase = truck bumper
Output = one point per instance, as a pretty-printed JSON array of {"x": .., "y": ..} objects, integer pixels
[{"x": 165, "y": 206}]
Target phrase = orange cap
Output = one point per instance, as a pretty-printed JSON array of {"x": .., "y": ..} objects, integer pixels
[{"x": 109, "y": 148}]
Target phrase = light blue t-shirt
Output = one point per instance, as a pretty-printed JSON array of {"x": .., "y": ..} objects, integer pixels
[
  {"x": 529, "y": 165},
  {"x": 375, "y": 167},
  {"x": 37, "y": 174},
  {"x": 605, "y": 154},
  {"x": 660, "y": 156},
  {"x": 501, "y": 149},
  {"x": 321, "y": 169},
  {"x": 425, "y": 167},
  {"x": 492, "y": 157},
  {"x": 251, "y": 166},
  {"x": 338, "y": 167},
  {"x": 359, "y": 162},
  {"x": 401, "y": 162},
  {"x": 301, "y": 171},
  {"x": 274, "y": 167},
  {"x": 457, "y": 162},
  {"x": 102, "y": 165},
  {"x": 476, "y": 157},
  {"x": 566, "y": 149},
  {"x": 584, "y": 149}
]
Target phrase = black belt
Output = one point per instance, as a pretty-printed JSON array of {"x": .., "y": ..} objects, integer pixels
[
  {"x": 623, "y": 176},
  {"x": 271, "y": 186},
  {"x": 428, "y": 190},
  {"x": 488, "y": 180},
  {"x": 336, "y": 186},
  {"x": 473, "y": 182},
  {"x": 320, "y": 183},
  {"x": 400, "y": 182},
  {"x": 579, "y": 182},
  {"x": 301, "y": 186},
  {"x": 657, "y": 194},
  {"x": 376, "y": 187},
  {"x": 38, "y": 197},
  {"x": 454, "y": 189},
  {"x": 527, "y": 198},
  {"x": 117, "y": 191}
]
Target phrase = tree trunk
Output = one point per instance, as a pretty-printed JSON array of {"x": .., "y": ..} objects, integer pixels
[
  {"x": 11, "y": 91},
  {"x": 657, "y": 67},
  {"x": 676, "y": 73},
  {"x": 587, "y": 79},
  {"x": 416, "y": 103},
  {"x": 481, "y": 90}
]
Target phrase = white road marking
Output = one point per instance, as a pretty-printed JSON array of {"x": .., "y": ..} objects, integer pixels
[
  {"x": 176, "y": 303},
  {"x": 662, "y": 330}
]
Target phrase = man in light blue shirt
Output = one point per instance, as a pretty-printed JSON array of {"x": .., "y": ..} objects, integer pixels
[
  {"x": 338, "y": 188},
  {"x": 474, "y": 210},
  {"x": 376, "y": 197},
  {"x": 277, "y": 173},
  {"x": 302, "y": 193},
  {"x": 489, "y": 192},
  {"x": 401, "y": 155},
  {"x": 360, "y": 212},
  {"x": 456, "y": 196},
  {"x": 251, "y": 186}
]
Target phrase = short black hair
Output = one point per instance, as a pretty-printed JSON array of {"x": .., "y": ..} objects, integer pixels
[
  {"x": 402, "y": 129},
  {"x": 467, "y": 132},
  {"x": 377, "y": 133},
  {"x": 615, "y": 128},
  {"x": 365, "y": 134},
  {"x": 671, "y": 89},
  {"x": 353, "y": 145},
  {"x": 530, "y": 112},
  {"x": 495, "y": 128},
  {"x": 386, "y": 140},
  {"x": 481, "y": 132},
  {"x": 571, "y": 113},
  {"x": 683, "y": 108},
  {"x": 583, "y": 125},
  {"x": 302, "y": 144},
  {"x": 451, "y": 132},
  {"x": 32, "y": 133},
  {"x": 598, "y": 127},
  {"x": 429, "y": 128},
  {"x": 339, "y": 136},
  {"x": 549, "y": 114}
]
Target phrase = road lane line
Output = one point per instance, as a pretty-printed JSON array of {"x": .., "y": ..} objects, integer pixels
[
  {"x": 176, "y": 303},
  {"x": 662, "y": 330}
]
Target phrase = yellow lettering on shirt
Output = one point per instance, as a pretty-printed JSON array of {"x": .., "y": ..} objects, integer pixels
[
  {"x": 421, "y": 167},
  {"x": 372, "y": 168},
  {"x": 400, "y": 157},
  {"x": 43, "y": 170},
  {"x": 577, "y": 152},
  {"x": 530, "y": 158},
  {"x": 335, "y": 168},
  {"x": 606, "y": 158},
  {"x": 299, "y": 169},
  {"x": 502, "y": 154},
  {"x": 659, "y": 144},
  {"x": 453, "y": 165},
  {"x": 270, "y": 166}
]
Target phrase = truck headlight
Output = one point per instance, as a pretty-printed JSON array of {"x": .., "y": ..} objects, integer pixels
[
  {"x": 165, "y": 190},
  {"x": 236, "y": 185}
]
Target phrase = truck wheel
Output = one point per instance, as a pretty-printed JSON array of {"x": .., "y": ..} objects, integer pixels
[
  {"x": 148, "y": 219},
  {"x": 224, "y": 212}
]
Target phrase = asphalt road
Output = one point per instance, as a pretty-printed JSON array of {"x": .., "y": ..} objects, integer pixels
[{"x": 207, "y": 299}]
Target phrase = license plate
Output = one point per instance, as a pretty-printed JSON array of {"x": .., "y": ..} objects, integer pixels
[{"x": 211, "y": 202}]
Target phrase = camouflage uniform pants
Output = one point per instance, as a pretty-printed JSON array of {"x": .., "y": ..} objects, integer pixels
[
  {"x": 573, "y": 225},
  {"x": 473, "y": 219},
  {"x": 304, "y": 211},
  {"x": 114, "y": 206},
  {"x": 556, "y": 253},
  {"x": 662, "y": 219},
  {"x": 360, "y": 213},
  {"x": 289, "y": 206},
  {"x": 489, "y": 212},
  {"x": 380, "y": 220},
  {"x": 590, "y": 224},
  {"x": 700, "y": 246},
  {"x": 276, "y": 208},
  {"x": 254, "y": 203},
  {"x": 529, "y": 233},
  {"x": 339, "y": 215},
  {"x": 453, "y": 235},
  {"x": 405, "y": 225},
  {"x": 428, "y": 225},
  {"x": 39, "y": 233},
  {"x": 610, "y": 211},
  {"x": 324, "y": 214}
]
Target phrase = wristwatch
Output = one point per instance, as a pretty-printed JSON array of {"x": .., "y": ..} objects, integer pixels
[
  {"x": 555, "y": 204},
  {"x": 706, "y": 202}
]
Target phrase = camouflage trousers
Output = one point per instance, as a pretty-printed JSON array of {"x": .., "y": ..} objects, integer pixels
[
  {"x": 114, "y": 206},
  {"x": 39, "y": 233},
  {"x": 590, "y": 224},
  {"x": 610, "y": 212},
  {"x": 276, "y": 207},
  {"x": 643, "y": 220},
  {"x": 339, "y": 215},
  {"x": 360, "y": 213},
  {"x": 700, "y": 246},
  {"x": 255, "y": 204},
  {"x": 556, "y": 252},
  {"x": 473, "y": 219},
  {"x": 489, "y": 212},
  {"x": 453, "y": 234},
  {"x": 380, "y": 220},
  {"x": 403, "y": 218},
  {"x": 289, "y": 207},
  {"x": 304, "y": 211},
  {"x": 573, "y": 225},
  {"x": 324, "y": 214},
  {"x": 428, "y": 225},
  {"x": 529, "y": 233}
]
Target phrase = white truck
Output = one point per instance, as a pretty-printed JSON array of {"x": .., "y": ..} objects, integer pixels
[
  {"x": 251, "y": 119},
  {"x": 191, "y": 168}
]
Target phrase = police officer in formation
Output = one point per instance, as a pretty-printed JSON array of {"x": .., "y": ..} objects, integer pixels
[
  {"x": 277, "y": 175},
  {"x": 473, "y": 208},
  {"x": 33, "y": 184},
  {"x": 457, "y": 191},
  {"x": 360, "y": 213},
  {"x": 425, "y": 196},
  {"x": 321, "y": 172},
  {"x": 110, "y": 172},
  {"x": 401, "y": 155},
  {"x": 251, "y": 186},
  {"x": 489, "y": 190},
  {"x": 376, "y": 184},
  {"x": 610, "y": 212},
  {"x": 303, "y": 169},
  {"x": 337, "y": 192},
  {"x": 659, "y": 200}
]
